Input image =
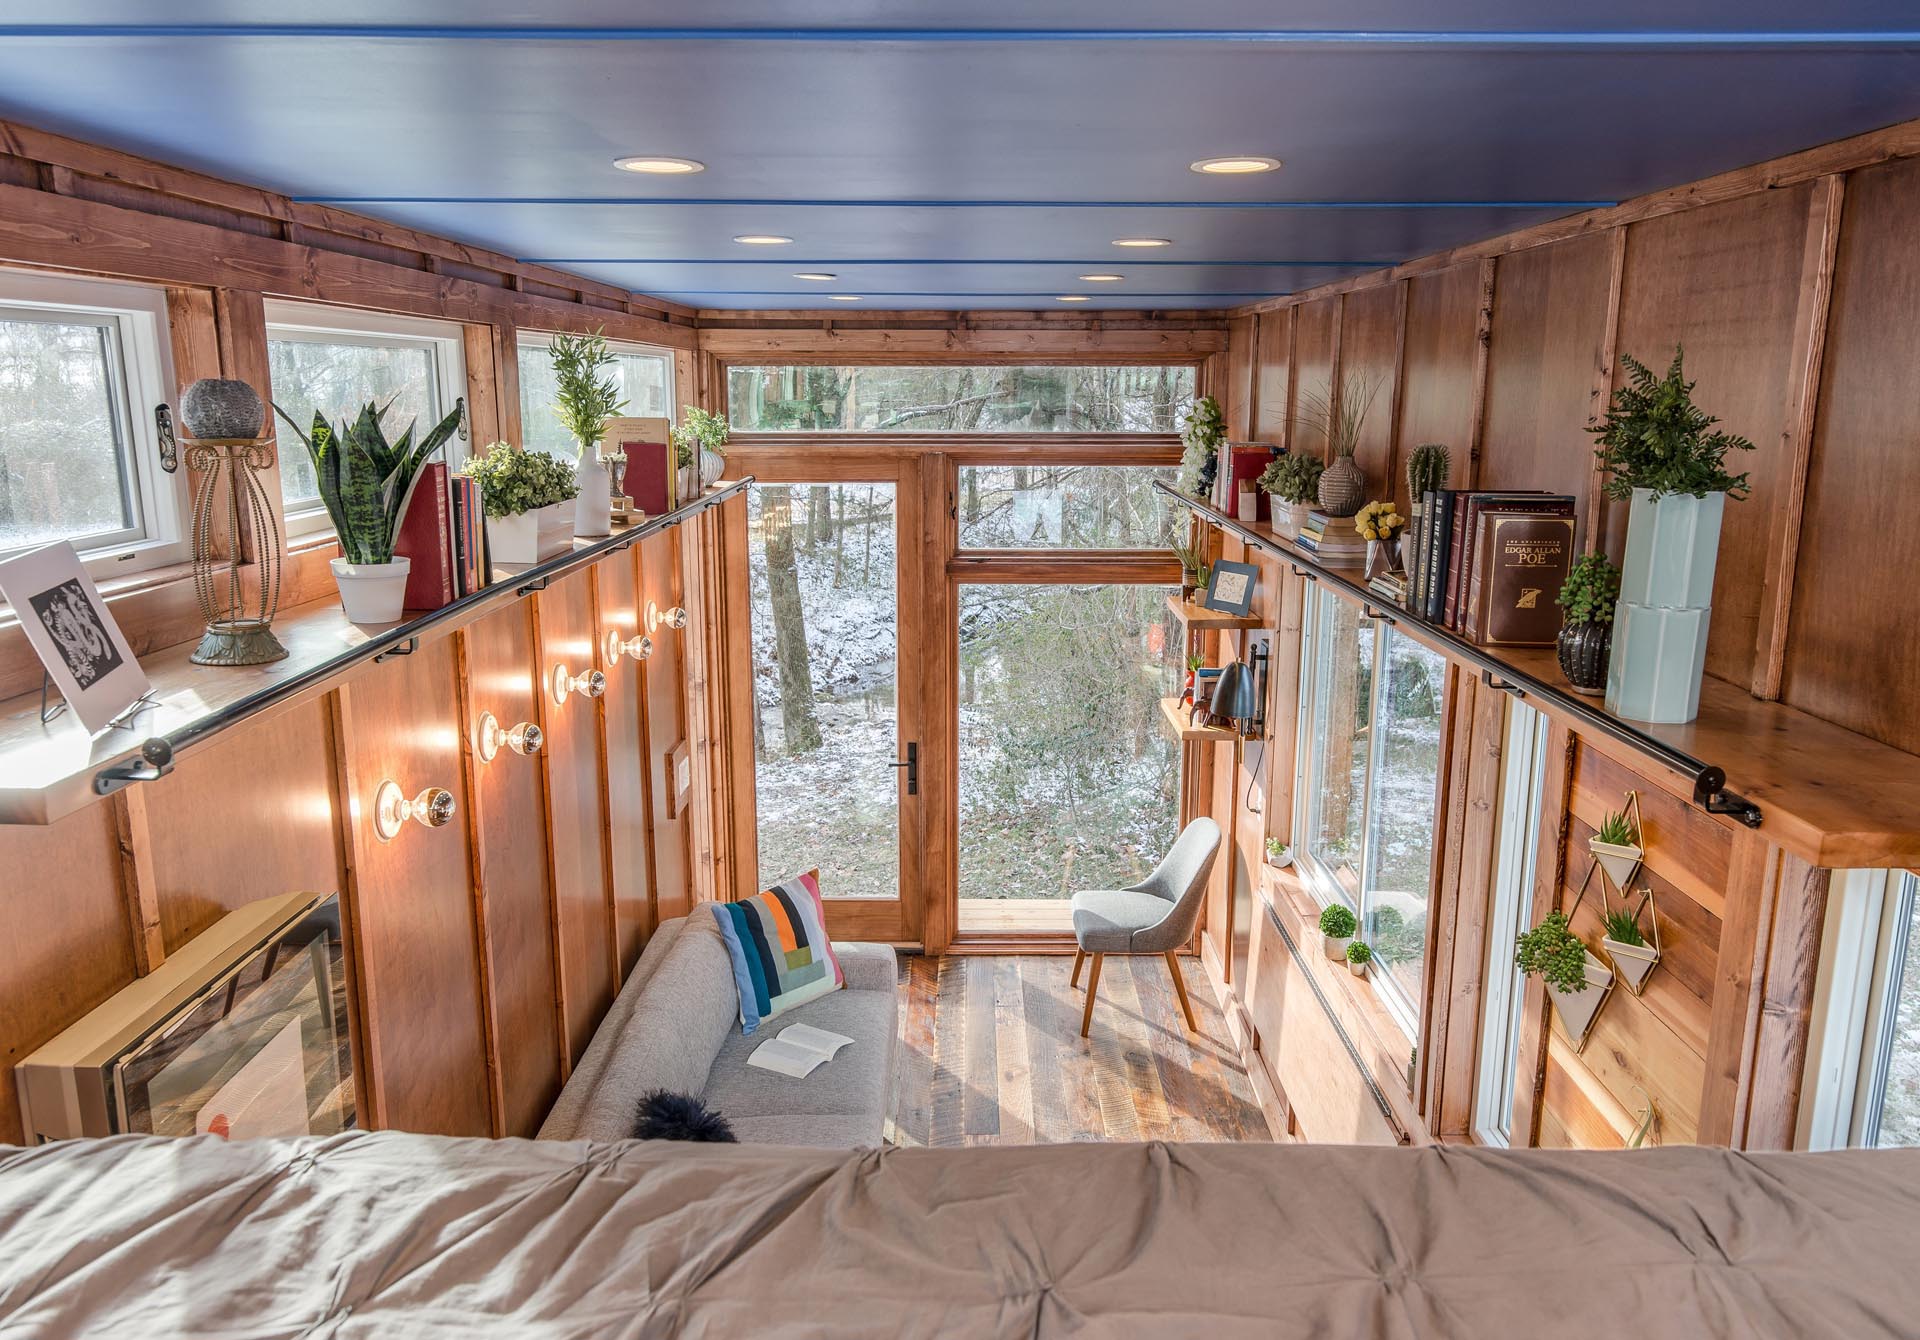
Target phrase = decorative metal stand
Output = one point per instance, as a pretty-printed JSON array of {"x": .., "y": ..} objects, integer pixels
[{"x": 239, "y": 629}]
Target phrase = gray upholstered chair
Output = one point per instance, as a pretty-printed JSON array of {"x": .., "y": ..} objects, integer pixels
[{"x": 1155, "y": 916}]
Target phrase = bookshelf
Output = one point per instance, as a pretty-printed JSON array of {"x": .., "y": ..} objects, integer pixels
[{"x": 1200, "y": 618}]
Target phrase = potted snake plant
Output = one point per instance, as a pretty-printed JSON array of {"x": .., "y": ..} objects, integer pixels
[{"x": 366, "y": 483}]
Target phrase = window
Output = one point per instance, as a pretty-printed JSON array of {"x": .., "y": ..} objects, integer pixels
[
  {"x": 1523, "y": 759},
  {"x": 1063, "y": 507},
  {"x": 948, "y": 399},
  {"x": 83, "y": 364},
  {"x": 1863, "y": 1062},
  {"x": 1371, "y": 713},
  {"x": 335, "y": 361},
  {"x": 645, "y": 377}
]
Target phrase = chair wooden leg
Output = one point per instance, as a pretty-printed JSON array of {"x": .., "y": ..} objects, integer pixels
[
  {"x": 1180, "y": 989},
  {"x": 1093, "y": 985},
  {"x": 1079, "y": 957}
]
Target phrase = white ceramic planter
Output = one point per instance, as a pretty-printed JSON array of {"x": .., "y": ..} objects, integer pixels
[
  {"x": 1357, "y": 969},
  {"x": 1618, "y": 861},
  {"x": 1634, "y": 963},
  {"x": 1282, "y": 861},
  {"x": 712, "y": 466},
  {"x": 1666, "y": 604},
  {"x": 372, "y": 592},
  {"x": 1578, "y": 1009},
  {"x": 593, "y": 509},
  {"x": 531, "y": 537},
  {"x": 1335, "y": 947}
]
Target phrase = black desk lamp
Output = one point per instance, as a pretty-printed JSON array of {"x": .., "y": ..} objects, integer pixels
[{"x": 1234, "y": 696}]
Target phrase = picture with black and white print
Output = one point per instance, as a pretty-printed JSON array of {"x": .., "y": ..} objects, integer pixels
[{"x": 76, "y": 628}]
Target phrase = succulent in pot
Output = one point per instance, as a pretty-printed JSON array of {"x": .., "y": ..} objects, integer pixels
[
  {"x": 1626, "y": 945},
  {"x": 699, "y": 447},
  {"x": 1588, "y": 597},
  {"x": 1279, "y": 855},
  {"x": 527, "y": 496},
  {"x": 1359, "y": 955},
  {"x": 1579, "y": 981},
  {"x": 1616, "y": 846},
  {"x": 1294, "y": 479},
  {"x": 366, "y": 483},
  {"x": 585, "y": 397},
  {"x": 1337, "y": 925}
]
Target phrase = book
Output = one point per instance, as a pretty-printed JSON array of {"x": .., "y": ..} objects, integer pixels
[
  {"x": 425, "y": 540},
  {"x": 798, "y": 1051},
  {"x": 651, "y": 462},
  {"x": 1464, "y": 529},
  {"x": 1521, "y": 560},
  {"x": 1439, "y": 552},
  {"x": 1485, "y": 502}
]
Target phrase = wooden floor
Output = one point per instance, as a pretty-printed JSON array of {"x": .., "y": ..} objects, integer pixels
[{"x": 992, "y": 1054}]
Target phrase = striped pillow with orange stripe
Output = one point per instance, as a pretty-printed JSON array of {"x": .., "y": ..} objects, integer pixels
[{"x": 781, "y": 954}]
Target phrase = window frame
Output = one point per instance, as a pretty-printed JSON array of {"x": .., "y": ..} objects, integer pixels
[
  {"x": 1863, "y": 960},
  {"x": 320, "y": 323},
  {"x": 525, "y": 339},
  {"x": 141, "y": 375}
]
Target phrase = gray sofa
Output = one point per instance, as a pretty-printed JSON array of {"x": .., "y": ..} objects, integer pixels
[{"x": 676, "y": 1025}]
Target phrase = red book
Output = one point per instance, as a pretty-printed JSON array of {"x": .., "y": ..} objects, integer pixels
[
  {"x": 1247, "y": 462},
  {"x": 426, "y": 538},
  {"x": 651, "y": 463}
]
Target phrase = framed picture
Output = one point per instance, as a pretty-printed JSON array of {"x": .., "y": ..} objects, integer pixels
[
  {"x": 1230, "y": 589},
  {"x": 71, "y": 631},
  {"x": 649, "y": 479}
]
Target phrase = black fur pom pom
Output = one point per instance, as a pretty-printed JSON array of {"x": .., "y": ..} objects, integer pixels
[{"x": 680, "y": 1116}]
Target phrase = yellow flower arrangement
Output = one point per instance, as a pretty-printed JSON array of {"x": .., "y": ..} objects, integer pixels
[{"x": 1379, "y": 521}]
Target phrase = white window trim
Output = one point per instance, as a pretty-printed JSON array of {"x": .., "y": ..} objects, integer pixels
[
  {"x": 1522, "y": 766},
  {"x": 539, "y": 340},
  {"x": 140, "y": 315},
  {"x": 1862, "y": 954},
  {"x": 322, "y": 324}
]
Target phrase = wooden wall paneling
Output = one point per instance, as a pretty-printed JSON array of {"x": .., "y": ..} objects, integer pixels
[
  {"x": 1576, "y": 1110},
  {"x": 1273, "y": 381},
  {"x": 1739, "y": 972},
  {"x": 629, "y": 818},
  {"x": 576, "y": 815},
  {"x": 666, "y": 728},
  {"x": 930, "y": 917},
  {"x": 411, "y": 923},
  {"x": 1436, "y": 400},
  {"x": 67, "y": 891},
  {"x": 734, "y": 684},
  {"x": 1786, "y": 1005},
  {"x": 1369, "y": 353},
  {"x": 1316, "y": 340},
  {"x": 1803, "y": 400},
  {"x": 1482, "y": 339},
  {"x": 483, "y": 385},
  {"x": 193, "y": 336},
  {"x": 1283, "y": 702},
  {"x": 509, "y": 822},
  {"x": 1723, "y": 281},
  {"x": 1549, "y": 342},
  {"x": 1237, "y": 392},
  {"x": 1683, "y": 843},
  {"x": 1549, "y": 873},
  {"x": 712, "y": 873},
  {"x": 1859, "y": 541},
  {"x": 132, "y": 835}
]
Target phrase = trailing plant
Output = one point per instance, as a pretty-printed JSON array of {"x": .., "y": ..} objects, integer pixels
[
  {"x": 512, "y": 482},
  {"x": 1591, "y": 590},
  {"x": 1654, "y": 437},
  {"x": 1615, "y": 831},
  {"x": 365, "y": 481},
  {"x": 1623, "y": 923},
  {"x": 1293, "y": 477},
  {"x": 585, "y": 396},
  {"x": 1337, "y": 920},
  {"x": 701, "y": 432},
  {"x": 1337, "y": 417},
  {"x": 1427, "y": 468},
  {"x": 1359, "y": 954},
  {"x": 1554, "y": 952},
  {"x": 1202, "y": 430},
  {"x": 1379, "y": 521}
]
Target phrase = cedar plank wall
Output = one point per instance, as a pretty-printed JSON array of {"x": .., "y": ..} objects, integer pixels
[{"x": 1791, "y": 286}]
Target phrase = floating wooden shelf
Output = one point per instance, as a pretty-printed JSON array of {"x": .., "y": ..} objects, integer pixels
[
  {"x": 1833, "y": 796},
  {"x": 1199, "y": 616},
  {"x": 1175, "y": 712}
]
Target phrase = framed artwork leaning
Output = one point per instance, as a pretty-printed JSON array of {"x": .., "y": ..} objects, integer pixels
[
  {"x": 1230, "y": 588},
  {"x": 70, "y": 629}
]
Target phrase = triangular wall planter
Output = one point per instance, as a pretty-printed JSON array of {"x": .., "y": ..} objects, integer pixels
[
  {"x": 1618, "y": 861},
  {"x": 1578, "y": 1009},
  {"x": 1634, "y": 963}
]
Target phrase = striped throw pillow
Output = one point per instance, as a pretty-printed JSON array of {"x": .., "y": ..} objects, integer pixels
[{"x": 781, "y": 954}]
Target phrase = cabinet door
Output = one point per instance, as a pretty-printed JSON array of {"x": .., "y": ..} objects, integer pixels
[
  {"x": 576, "y": 810},
  {"x": 618, "y": 597},
  {"x": 666, "y": 727},
  {"x": 510, "y": 843},
  {"x": 412, "y": 911}
]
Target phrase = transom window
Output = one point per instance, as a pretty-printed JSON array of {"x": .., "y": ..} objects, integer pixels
[
  {"x": 949, "y": 399},
  {"x": 1366, "y": 791},
  {"x": 644, "y": 375},
  {"x": 83, "y": 366},
  {"x": 335, "y": 361}
]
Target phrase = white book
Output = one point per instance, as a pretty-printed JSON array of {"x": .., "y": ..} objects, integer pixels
[{"x": 798, "y": 1051}]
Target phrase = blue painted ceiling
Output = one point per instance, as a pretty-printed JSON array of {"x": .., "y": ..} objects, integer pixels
[{"x": 964, "y": 153}]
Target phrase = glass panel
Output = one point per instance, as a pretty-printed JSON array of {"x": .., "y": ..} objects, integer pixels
[
  {"x": 947, "y": 399},
  {"x": 1897, "y": 1124},
  {"x": 825, "y": 638},
  {"x": 337, "y": 378},
  {"x": 645, "y": 380},
  {"x": 1401, "y": 808},
  {"x": 1524, "y": 765},
  {"x": 1342, "y": 713},
  {"x": 1063, "y": 507},
  {"x": 1067, "y": 778},
  {"x": 65, "y": 472}
]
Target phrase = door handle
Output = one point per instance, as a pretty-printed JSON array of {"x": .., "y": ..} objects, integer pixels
[{"x": 912, "y": 764}]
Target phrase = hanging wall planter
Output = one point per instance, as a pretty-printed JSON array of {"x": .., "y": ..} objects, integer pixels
[
  {"x": 1577, "y": 983},
  {"x": 1578, "y": 1009}
]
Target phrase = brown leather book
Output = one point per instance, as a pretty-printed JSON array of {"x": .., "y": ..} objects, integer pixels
[{"x": 1521, "y": 561}]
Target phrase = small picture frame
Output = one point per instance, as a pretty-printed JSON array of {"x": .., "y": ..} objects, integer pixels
[
  {"x": 67, "y": 623},
  {"x": 1230, "y": 588}
]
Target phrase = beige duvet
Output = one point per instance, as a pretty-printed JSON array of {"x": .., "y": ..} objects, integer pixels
[{"x": 399, "y": 1235}]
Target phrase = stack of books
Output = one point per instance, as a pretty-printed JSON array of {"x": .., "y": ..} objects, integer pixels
[
  {"x": 1390, "y": 585},
  {"x": 1489, "y": 565},
  {"x": 1331, "y": 538},
  {"x": 444, "y": 536}
]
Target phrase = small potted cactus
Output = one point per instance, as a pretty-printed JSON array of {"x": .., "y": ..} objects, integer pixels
[
  {"x": 1337, "y": 925},
  {"x": 1358, "y": 957}
]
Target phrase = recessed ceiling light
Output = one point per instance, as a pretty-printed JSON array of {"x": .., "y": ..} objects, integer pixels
[
  {"x": 1071, "y": 297},
  {"x": 1102, "y": 279},
  {"x": 819, "y": 276},
  {"x": 843, "y": 297},
  {"x": 660, "y": 166},
  {"x": 762, "y": 240},
  {"x": 1235, "y": 165},
  {"x": 1142, "y": 242}
]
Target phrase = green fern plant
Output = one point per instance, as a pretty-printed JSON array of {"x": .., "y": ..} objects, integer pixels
[
  {"x": 585, "y": 396},
  {"x": 1654, "y": 437},
  {"x": 1553, "y": 952},
  {"x": 365, "y": 481}
]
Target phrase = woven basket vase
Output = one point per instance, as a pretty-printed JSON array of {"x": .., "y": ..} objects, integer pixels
[{"x": 1343, "y": 487}]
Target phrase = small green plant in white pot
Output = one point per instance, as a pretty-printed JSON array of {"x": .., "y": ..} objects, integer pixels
[
  {"x": 1663, "y": 456},
  {"x": 585, "y": 397},
  {"x": 1578, "y": 982},
  {"x": 1337, "y": 925},
  {"x": 529, "y": 503},
  {"x": 700, "y": 450},
  {"x": 1358, "y": 957},
  {"x": 1279, "y": 855},
  {"x": 1294, "y": 481},
  {"x": 1617, "y": 847},
  {"x": 1626, "y": 945},
  {"x": 365, "y": 484}
]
